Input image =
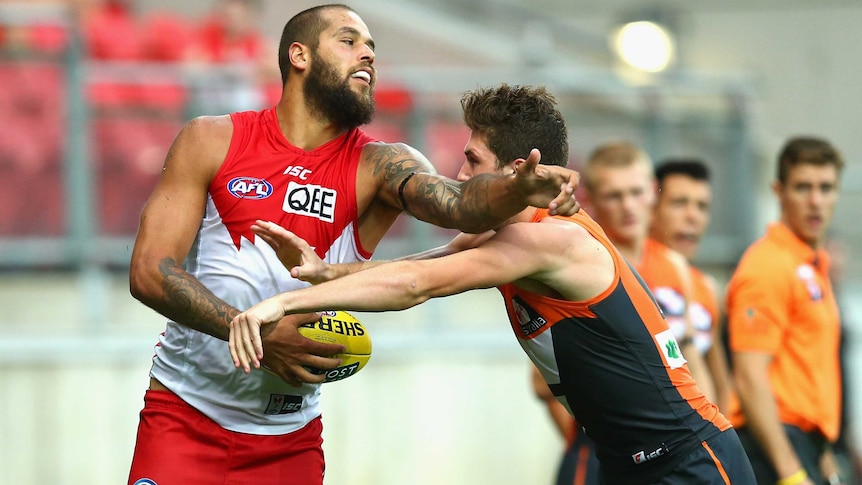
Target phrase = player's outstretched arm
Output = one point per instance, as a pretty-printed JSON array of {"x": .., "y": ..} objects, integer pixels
[
  {"x": 409, "y": 182},
  {"x": 304, "y": 264},
  {"x": 396, "y": 285}
]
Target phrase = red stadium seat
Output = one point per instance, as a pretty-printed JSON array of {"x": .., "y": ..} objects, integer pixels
[{"x": 31, "y": 149}]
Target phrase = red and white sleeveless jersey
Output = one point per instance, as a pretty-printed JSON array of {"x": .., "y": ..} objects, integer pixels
[{"x": 311, "y": 193}]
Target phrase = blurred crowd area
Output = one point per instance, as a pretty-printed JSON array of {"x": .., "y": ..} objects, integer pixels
[
  {"x": 124, "y": 82},
  {"x": 138, "y": 88}
]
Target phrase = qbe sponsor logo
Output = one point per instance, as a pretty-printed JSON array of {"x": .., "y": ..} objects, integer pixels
[
  {"x": 251, "y": 188},
  {"x": 310, "y": 200}
]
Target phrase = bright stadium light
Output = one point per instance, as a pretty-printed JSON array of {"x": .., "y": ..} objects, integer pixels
[{"x": 644, "y": 45}]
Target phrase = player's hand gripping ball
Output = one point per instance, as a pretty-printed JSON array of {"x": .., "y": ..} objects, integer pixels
[{"x": 341, "y": 328}]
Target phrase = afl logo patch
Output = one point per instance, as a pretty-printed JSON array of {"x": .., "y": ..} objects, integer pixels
[
  {"x": 145, "y": 481},
  {"x": 249, "y": 188}
]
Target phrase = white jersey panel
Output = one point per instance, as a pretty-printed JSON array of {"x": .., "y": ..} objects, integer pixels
[{"x": 198, "y": 367}]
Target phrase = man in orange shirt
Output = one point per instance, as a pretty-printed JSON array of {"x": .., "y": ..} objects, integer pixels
[
  {"x": 784, "y": 328},
  {"x": 680, "y": 219}
]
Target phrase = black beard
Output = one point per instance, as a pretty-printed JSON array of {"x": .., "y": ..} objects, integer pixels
[{"x": 329, "y": 96}]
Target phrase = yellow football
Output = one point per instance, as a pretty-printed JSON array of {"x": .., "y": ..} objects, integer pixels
[{"x": 340, "y": 327}]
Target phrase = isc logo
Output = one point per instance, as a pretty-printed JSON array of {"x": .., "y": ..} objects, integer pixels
[
  {"x": 297, "y": 171},
  {"x": 249, "y": 188},
  {"x": 283, "y": 404},
  {"x": 643, "y": 457}
]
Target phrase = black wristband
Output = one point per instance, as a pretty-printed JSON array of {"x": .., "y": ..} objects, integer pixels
[{"x": 401, "y": 191}]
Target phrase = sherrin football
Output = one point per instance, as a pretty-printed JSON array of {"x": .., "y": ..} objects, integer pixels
[{"x": 340, "y": 327}]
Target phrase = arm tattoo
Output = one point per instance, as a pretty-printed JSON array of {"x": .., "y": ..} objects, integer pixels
[
  {"x": 190, "y": 303},
  {"x": 392, "y": 162},
  {"x": 438, "y": 200}
]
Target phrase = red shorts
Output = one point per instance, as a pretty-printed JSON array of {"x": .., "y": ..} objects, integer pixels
[{"x": 177, "y": 445}]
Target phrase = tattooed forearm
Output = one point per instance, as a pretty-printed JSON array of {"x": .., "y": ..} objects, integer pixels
[
  {"x": 190, "y": 303},
  {"x": 470, "y": 207},
  {"x": 480, "y": 204}
]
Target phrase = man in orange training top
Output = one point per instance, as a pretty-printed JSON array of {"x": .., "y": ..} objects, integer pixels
[{"x": 784, "y": 326}]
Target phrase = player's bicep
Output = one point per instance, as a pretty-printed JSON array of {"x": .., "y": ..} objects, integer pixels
[{"x": 173, "y": 212}]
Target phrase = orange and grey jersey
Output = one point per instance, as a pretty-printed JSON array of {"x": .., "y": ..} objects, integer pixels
[{"x": 614, "y": 363}]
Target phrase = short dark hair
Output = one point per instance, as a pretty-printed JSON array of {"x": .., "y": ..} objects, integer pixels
[
  {"x": 515, "y": 119},
  {"x": 807, "y": 150},
  {"x": 305, "y": 28},
  {"x": 693, "y": 168}
]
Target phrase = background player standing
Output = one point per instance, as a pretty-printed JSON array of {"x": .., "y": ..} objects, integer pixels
[{"x": 784, "y": 326}]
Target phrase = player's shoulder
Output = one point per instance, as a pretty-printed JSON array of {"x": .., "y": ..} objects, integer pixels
[
  {"x": 202, "y": 144},
  {"x": 568, "y": 224},
  {"x": 763, "y": 263},
  {"x": 207, "y": 129},
  {"x": 765, "y": 253},
  {"x": 550, "y": 233}
]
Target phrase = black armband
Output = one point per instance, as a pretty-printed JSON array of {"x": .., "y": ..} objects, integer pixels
[{"x": 401, "y": 190}]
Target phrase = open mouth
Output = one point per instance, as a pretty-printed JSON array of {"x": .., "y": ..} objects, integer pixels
[{"x": 363, "y": 75}]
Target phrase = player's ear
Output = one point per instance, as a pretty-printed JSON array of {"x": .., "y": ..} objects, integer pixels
[
  {"x": 776, "y": 187},
  {"x": 299, "y": 55}
]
